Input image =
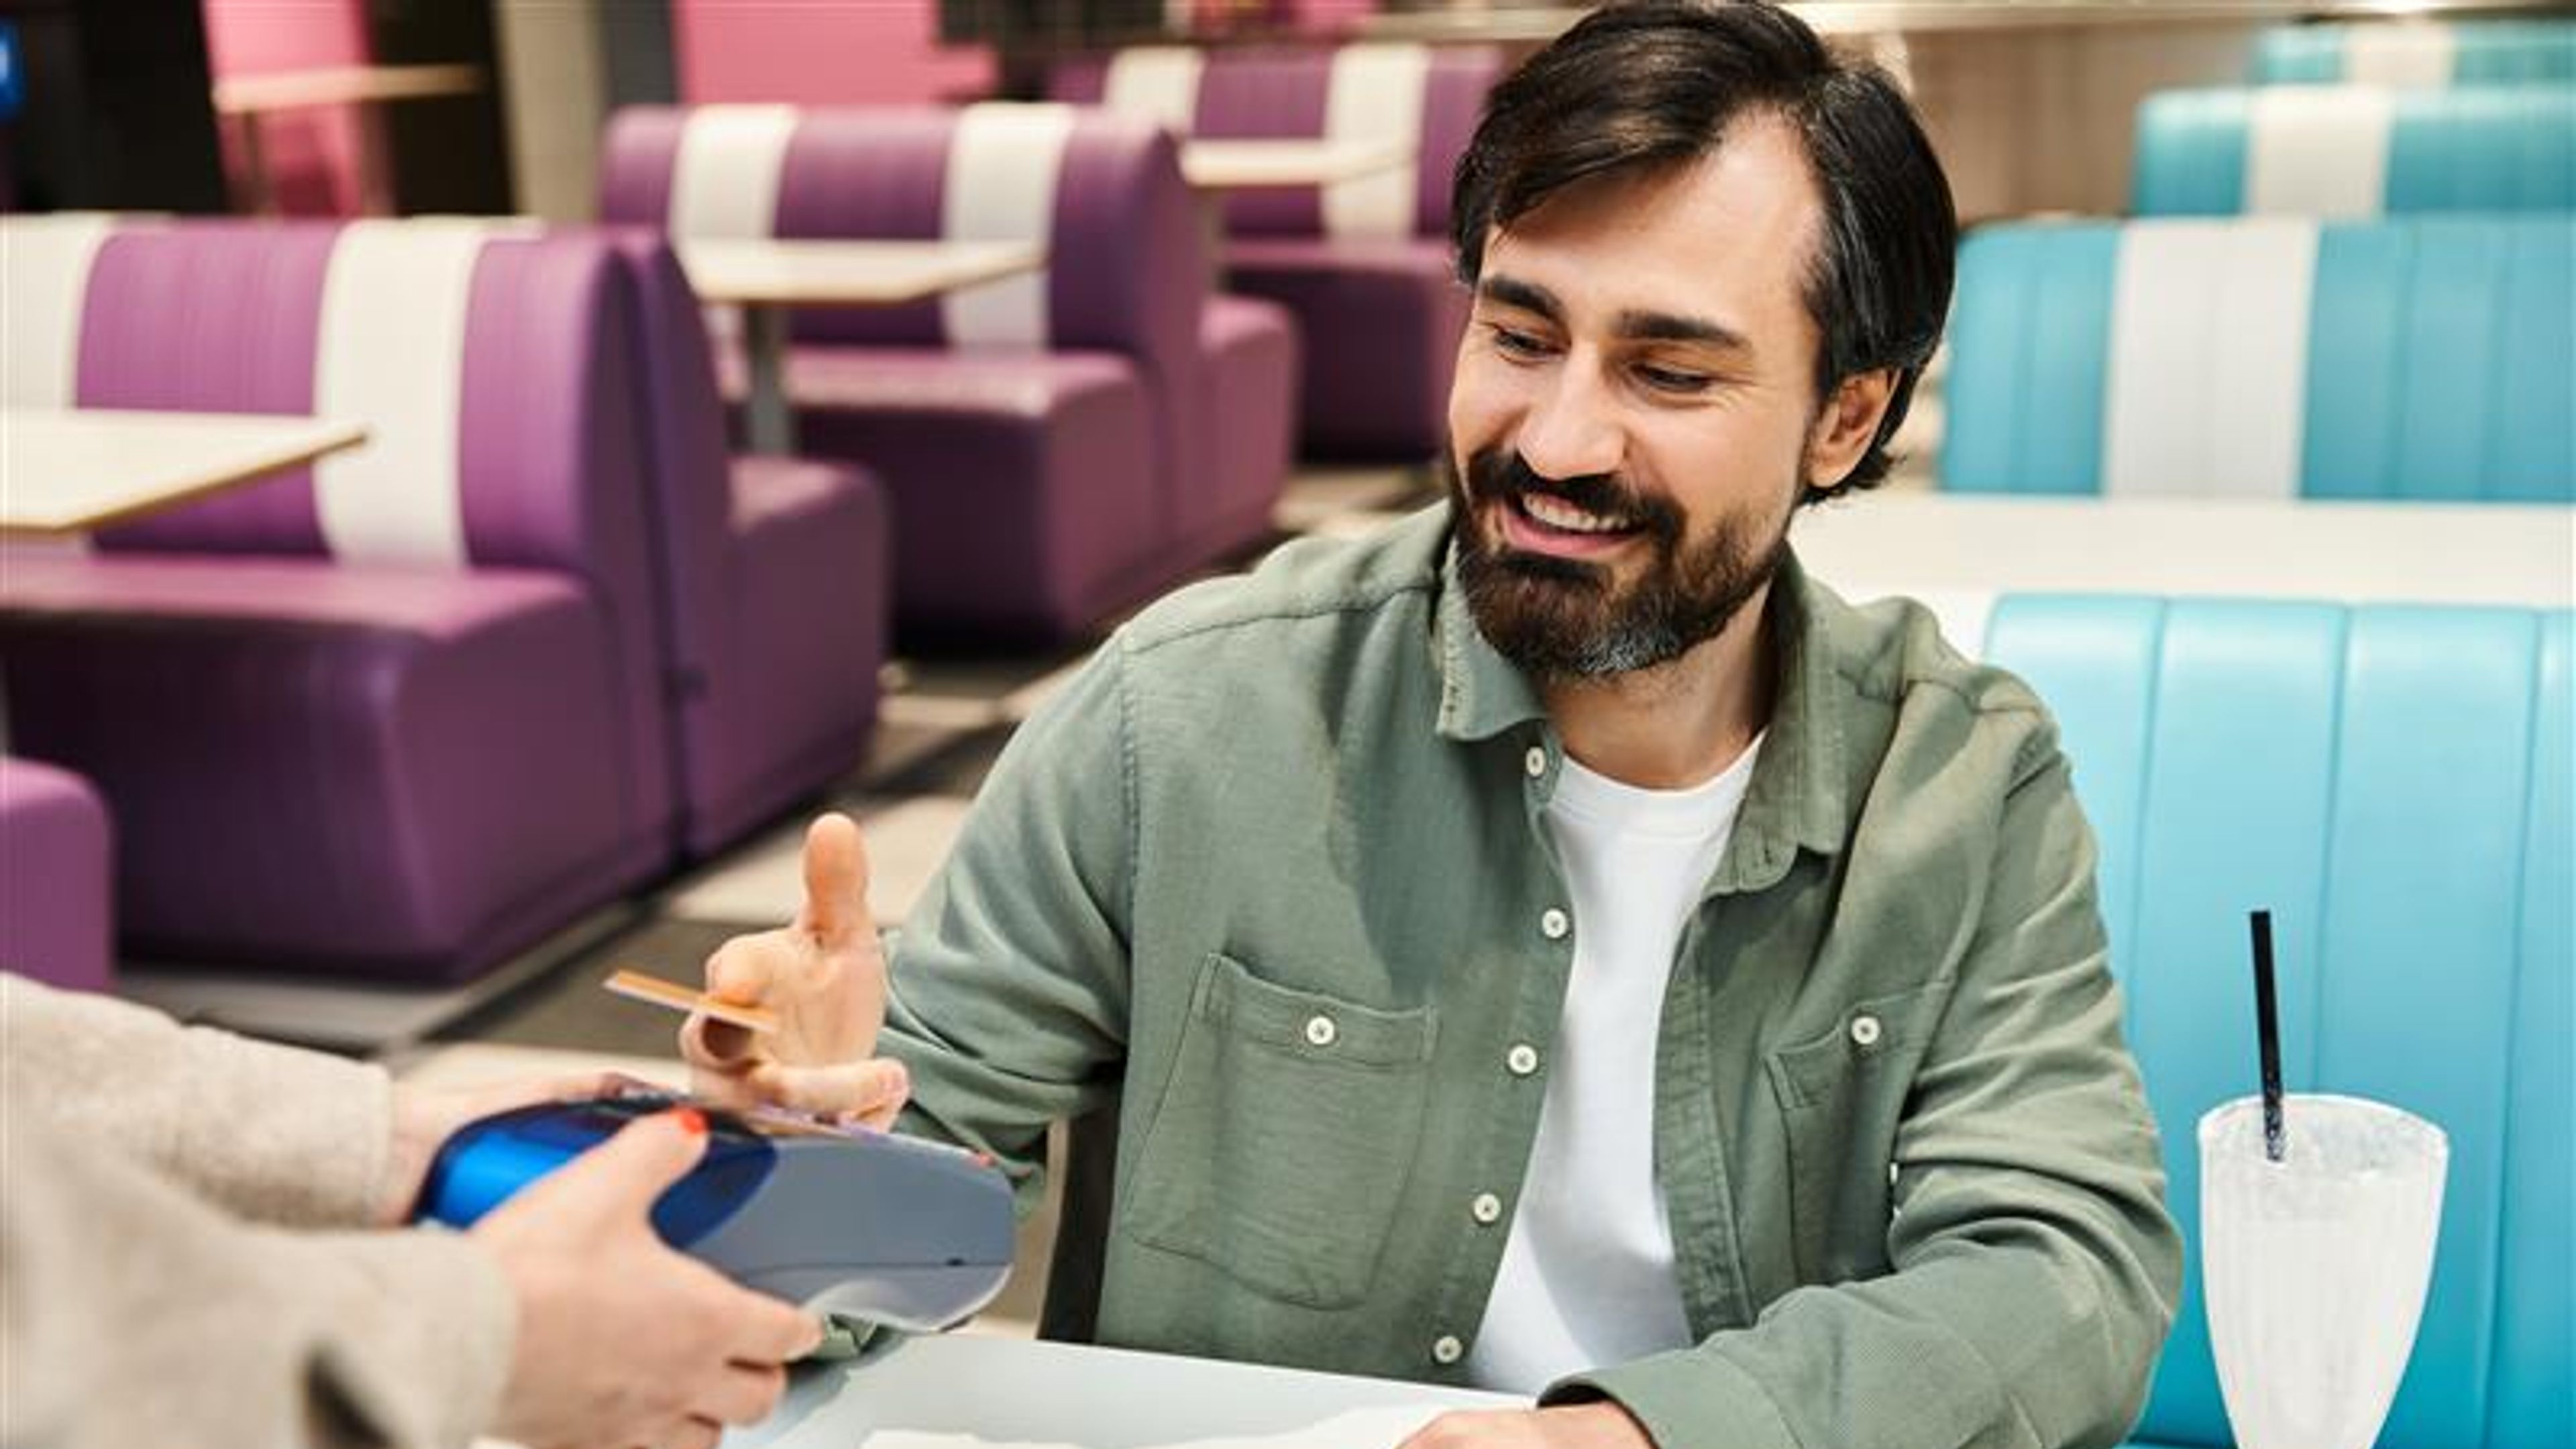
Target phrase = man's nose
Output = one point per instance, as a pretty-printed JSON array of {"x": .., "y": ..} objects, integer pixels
[{"x": 1572, "y": 430}]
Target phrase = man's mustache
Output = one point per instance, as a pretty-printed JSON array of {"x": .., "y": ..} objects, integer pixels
[{"x": 1500, "y": 475}]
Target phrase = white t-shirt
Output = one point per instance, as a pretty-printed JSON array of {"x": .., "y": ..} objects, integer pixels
[{"x": 1587, "y": 1275}]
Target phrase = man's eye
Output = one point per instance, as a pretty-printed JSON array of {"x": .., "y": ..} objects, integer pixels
[
  {"x": 1517, "y": 344},
  {"x": 1672, "y": 380}
]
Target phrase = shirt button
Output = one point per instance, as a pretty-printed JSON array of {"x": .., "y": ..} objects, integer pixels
[
  {"x": 1535, "y": 762},
  {"x": 1522, "y": 1059},
  {"x": 1553, "y": 924},
  {"x": 1486, "y": 1209},
  {"x": 1320, "y": 1031},
  {"x": 1864, "y": 1030},
  {"x": 1446, "y": 1349}
]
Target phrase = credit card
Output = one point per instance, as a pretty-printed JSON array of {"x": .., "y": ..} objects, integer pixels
[{"x": 653, "y": 990}]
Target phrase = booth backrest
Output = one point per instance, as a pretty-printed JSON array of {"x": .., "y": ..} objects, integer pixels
[
  {"x": 2429, "y": 358},
  {"x": 2356, "y": 151},
  {"x": 1125, "y": 266},
  {"x": 2418, "y": 54},
  {"x": 488, "y": 362},
  {"x": 492, "y": 363},
  {"x": 1424, "y": 97},
  {"x": 2394, "y": 784}
]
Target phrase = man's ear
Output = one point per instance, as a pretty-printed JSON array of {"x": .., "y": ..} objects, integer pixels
[{"x": 1846, "y": 424}]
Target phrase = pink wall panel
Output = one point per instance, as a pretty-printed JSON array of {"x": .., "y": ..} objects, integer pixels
[
  {"x": 812, "y": 54},
  {"x": 312, "y": 153}
]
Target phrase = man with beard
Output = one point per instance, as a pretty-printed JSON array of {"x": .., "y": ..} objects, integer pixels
[{"x": 1554, "y": 945}]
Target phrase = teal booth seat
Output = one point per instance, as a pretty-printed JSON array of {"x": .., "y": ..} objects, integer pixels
[
  {"x": 2476, "y": 52},
  {"x": 2355, "y": 151},
  {"x": 2425, "y": 358},
  {"x": 2394, "y": 784}
]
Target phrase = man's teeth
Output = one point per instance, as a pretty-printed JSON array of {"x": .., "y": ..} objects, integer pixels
[{"x": 1557, "y": 513}]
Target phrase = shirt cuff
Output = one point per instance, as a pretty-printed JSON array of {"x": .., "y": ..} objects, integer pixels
[{"x": 1687, "y": 1399}]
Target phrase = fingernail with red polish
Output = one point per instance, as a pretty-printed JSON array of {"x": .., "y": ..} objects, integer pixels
[{"x": 691, "y": 1120}]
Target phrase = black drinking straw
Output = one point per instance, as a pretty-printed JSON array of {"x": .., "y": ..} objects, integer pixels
[{"x": 2267, "y": 1030}]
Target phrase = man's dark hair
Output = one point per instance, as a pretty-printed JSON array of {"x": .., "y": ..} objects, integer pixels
[{"x": 1644, "y": 84}]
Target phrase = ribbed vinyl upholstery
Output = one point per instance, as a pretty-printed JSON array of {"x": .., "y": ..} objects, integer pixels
[
  {"x": 2484, "y": 148},
  {"x": 2393, "y": 782},
  {"x": 2439, "y": 364},
  {"x": 2482, "y": 52}
]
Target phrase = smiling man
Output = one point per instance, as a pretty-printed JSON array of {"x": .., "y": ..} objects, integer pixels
[{"x": 1555, "y": 945}]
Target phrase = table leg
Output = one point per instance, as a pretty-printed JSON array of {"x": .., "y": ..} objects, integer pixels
[
  {"x": 254, "y": 151},
  {"x": 1211, "y": 208},
  {"x": 772, "y": 426}
]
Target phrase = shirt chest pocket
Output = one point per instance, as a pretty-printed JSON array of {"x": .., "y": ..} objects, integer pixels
[
  {"x": 1280, "y": 1145},
  {"x": 1842, "y": 1097}
]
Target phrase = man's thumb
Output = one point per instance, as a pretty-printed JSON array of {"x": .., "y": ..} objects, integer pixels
[{"x": 625, "y": 1175}]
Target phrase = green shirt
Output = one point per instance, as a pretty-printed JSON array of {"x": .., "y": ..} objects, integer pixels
[{"x": 1265, "y": 898}]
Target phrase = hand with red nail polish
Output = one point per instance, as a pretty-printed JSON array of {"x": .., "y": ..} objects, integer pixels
[{"x": 621, "y": 1340}]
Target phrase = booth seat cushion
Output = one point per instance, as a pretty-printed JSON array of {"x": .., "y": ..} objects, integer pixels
[
  {"x": 321, "y": 765},
  {"x": 809, "y": 617},
  {"x": 1250, "y": 418},
  {"x": 55, "y": 921},
  {"x": 1381, "y": 320},
  {"x": 1025, "y": 484}
]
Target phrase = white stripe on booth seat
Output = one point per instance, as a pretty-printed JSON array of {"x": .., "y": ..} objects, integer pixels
[
  {"x": 2209, "y": 358},
  {"x": 1156, "y": 83},
  {"x": 2405, "y": 56},
  {"x": 1376, "y": 94},
  {"x": 725, "y": 181},
  {"x": 2319, "y": 151},
  {"x": 1002, "y": 168},
  {"x": 44, "y": 289},
  {"x": 392, "y": 356}
]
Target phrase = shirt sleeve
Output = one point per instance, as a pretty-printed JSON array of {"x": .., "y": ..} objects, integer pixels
[
  {"x": 133, "y": 1312},
  {"x": 2036, "y": 1269},
  {"x": 1008, "y": 994},
  {"x": 267, "y": 1132}
]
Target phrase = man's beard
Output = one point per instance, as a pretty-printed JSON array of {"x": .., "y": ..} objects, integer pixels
[{"x": 1563, "y": 619}]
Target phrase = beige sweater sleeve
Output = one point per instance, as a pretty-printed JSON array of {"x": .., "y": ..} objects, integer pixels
[
  {"x": 271, "y": 1133},
  {"x": 134, "y": 1313}
]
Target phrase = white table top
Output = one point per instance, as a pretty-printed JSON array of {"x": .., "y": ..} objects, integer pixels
[
  {"x": 342, "y": 85},
  {"x": 1100, "y": 1398},
  {"x": 68, "y": 471},
  {"x": 1236, "y": 165},
  {"x": 2435, "y": 553},
  {"x": 848, "y": 273}
]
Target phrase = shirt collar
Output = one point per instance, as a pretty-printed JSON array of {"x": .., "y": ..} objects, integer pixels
[{"x": 1796, "y": 798}]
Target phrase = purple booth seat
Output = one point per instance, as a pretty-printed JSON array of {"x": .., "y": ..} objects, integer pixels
[
  {"x": 399, "y": 713},
  {"x": 1364, "y": 265},
  {"x": 1058, "y": 445},
  {"x": 775, "y": 584},
  {"x": 54, "y": 920}
]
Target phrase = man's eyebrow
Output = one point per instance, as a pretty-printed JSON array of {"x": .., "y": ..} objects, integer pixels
[
  {"x": 1528, "y": 296},
  {"x": 1670, "y": 327},
  {"x": 1638, "y": 326}
]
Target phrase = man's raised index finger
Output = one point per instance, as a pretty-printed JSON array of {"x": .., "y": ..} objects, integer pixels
[{"x": 836, "y": 880}]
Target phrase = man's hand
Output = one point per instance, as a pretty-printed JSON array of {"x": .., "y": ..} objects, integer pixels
[
  {"x": 1576, "y": 1426},
  {"x": 825, "y": 976},
  {"x": 622, "y": 1341},
  {"x": 425, "y": 1118}
]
